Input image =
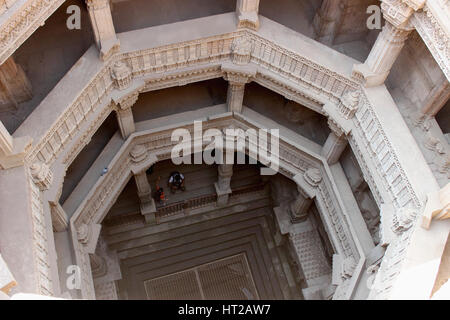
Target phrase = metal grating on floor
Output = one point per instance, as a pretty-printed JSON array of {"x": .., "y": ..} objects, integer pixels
[{"x": 225, "y": 279}]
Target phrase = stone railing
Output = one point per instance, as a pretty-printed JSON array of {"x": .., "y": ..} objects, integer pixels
[{"x": 179, "y": 207}]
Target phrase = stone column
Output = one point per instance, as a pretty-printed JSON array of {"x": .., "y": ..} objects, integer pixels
[
  {"x": 333, "y": 147},
  {"x": 381, "y": 58},
  {"x": 102, "y": 24},
  {"x": 300, "y": 206},
  {"x": 389, "y": 43},
  {"x": 148, "y": 208},
  {"x": 247, "y": 14},
  {"x": 14, "y": 85},
  {"x": 235, "y": 96},
  {"x": 125, "y": 115},
  {"x": 327, "y": 20},
  {"x": 222, "y": 186},
  {"x": 238, "y": 73}
]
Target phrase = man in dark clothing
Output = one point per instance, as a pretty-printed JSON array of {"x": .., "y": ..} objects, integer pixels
[{"x": 176, "y": 181}]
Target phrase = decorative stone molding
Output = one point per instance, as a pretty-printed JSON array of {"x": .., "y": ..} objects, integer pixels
[
  {"x": 121, "y": 74},
  {"x": 432, "y": 25},
  {"x": 42, "y": 175}
]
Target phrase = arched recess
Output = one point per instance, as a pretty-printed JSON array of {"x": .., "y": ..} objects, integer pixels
[{"x": 156, "y": 145}]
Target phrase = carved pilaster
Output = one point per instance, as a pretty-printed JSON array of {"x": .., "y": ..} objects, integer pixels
[
  {"x": 222, "y": 186},
  {"x": 103, "y": 27},
  {"x": 247, "y": 14}
]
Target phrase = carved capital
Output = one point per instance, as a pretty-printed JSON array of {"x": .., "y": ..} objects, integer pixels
[
  {"x": 128, "y": 101},
  {"x": 42, "y": 175}
]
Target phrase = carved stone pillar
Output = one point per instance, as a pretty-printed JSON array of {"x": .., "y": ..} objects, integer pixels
[
  {"x": 222, "y": 186},
  {"x": 300, "y": 206},
  {"x": 247, "y": 14},
  {"x": 125, "y": 115},
  {"x": 389, "y": 43},
  {"x": 333, "y": 147},
  {"x": 235, "y": 96},
  {"x": 384, "y": 52},
  {"x": 102, "y": 24},
  {"x": 327, "y": 20},
  {"x": 147, "y": 203},
  {"x": 236, "y": 76},
  {"x": 14, "y": 85}
]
